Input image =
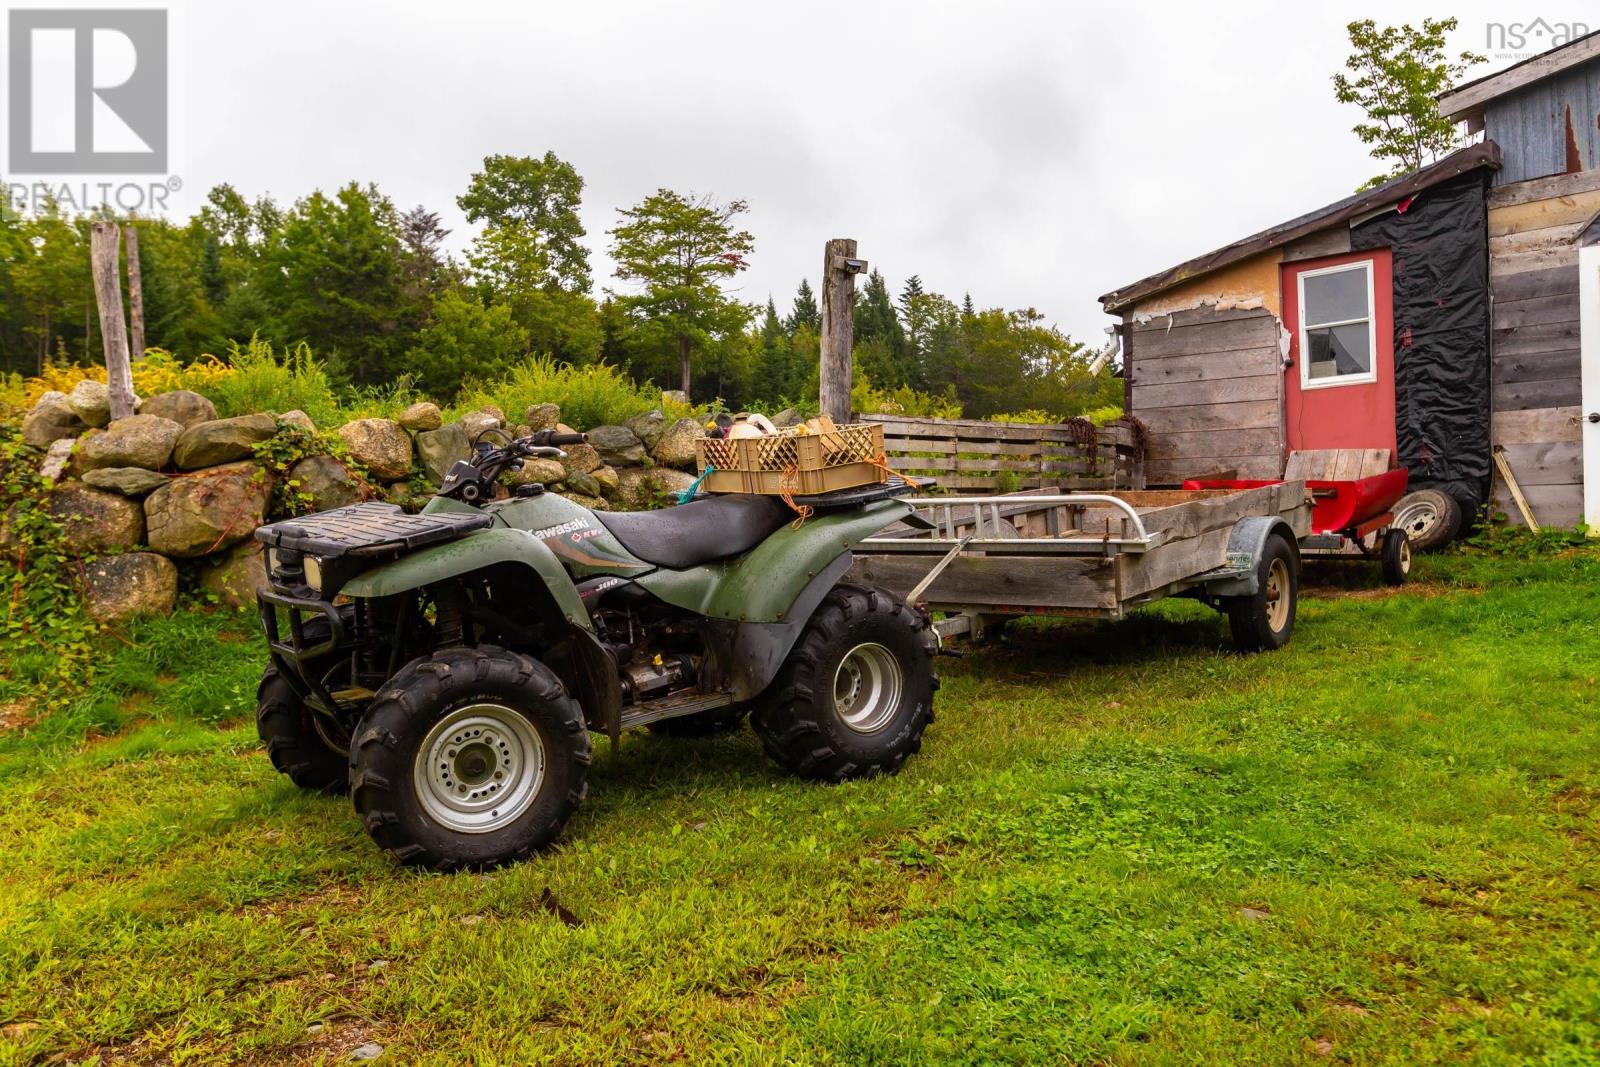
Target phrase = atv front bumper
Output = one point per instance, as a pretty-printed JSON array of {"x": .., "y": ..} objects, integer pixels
[{"x": 296, "y": 654}]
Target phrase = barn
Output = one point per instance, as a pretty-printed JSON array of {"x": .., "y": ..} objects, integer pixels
[{"x": 1438, "y": 317}]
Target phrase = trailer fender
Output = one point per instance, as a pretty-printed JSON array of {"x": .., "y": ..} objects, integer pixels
[{"x": 1246, "y": 543}]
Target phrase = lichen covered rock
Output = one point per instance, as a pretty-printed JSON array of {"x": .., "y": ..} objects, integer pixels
[
  {"x": 199, "y": 514},
  {"x": 137, "y": 441},
  {"x": 677, "y": 445},
  {"x": 208, "y": 444},
  {"x": 382, "y": 446},
  {"x": 181, "y": 406},
  {"x": 95, "y": 521},
  {"x": 422, "y": 415},
  {"x": 129, "y": 481},
  {"x": 135, "y": 583},
  {"x": 52, "y": 419},
  {"x": 327, "y": 483}
]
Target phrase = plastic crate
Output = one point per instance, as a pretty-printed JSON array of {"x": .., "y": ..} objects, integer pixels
[{"x": 798, "y": 464}]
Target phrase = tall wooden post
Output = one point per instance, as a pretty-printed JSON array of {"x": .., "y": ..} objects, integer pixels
[
  {"x": 839, "y": 269},
  {"x": 105, "y": 246},
  {"x": 135, "y": 296}
]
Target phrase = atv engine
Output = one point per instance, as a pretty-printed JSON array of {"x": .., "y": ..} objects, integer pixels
[{"x": 658, "y": 650}]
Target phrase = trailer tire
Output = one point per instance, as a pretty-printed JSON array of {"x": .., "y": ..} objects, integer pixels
[
  {"x": 1429, "y": 517},
  {"x": 469, "y": 758},
  {"x": 1396, "y": 557},
  {"x": 856, "y": 692},
  {"x": 1264, "y": 620}
]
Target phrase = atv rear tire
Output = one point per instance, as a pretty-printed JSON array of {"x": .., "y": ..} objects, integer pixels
[
  {"x": 295, "y": 745},
  {"x": 469, "y": 758},
  {"x": 856, "y": 692}
]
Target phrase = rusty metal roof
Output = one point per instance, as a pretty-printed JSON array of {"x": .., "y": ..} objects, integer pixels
[{"x": 1483, "y": 154}]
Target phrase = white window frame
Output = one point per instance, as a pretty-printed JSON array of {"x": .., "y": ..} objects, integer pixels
[{"x": 1308, "y": 382}]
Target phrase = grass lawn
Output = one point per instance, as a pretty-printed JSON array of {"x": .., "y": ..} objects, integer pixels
[{"x": 1120, "y": 844}]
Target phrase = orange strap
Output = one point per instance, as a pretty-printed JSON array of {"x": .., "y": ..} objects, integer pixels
[{"x": 786, "y": 486}]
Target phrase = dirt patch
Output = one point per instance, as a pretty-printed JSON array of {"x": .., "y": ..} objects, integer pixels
[
  {"x": 1421, "y": 590},
  {"x": 16, "y": 714}
]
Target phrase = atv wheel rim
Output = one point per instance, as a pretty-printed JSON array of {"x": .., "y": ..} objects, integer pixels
[
  {"x": 479, "y": 768},
  {"x": 1277, "y": 595},
  {"x": 866, "y": 688}
]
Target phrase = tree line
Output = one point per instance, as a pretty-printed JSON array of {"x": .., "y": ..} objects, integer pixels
[{"x": 378, "y": 296}]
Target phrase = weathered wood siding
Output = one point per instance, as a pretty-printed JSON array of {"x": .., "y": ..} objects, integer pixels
[
  {"x": 1533, "y": 278},
  {"x": 1207, "y": 385},
  {"x": 969, "y": 456}
]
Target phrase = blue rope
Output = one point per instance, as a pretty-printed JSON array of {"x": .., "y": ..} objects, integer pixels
[{"x": 688, "y": 494}]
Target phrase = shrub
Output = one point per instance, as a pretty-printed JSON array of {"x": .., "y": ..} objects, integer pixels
[
  {"x": 596, "y": 395},
  {"x": 904, "y": 400},
  {"x": 257, "y": 380}
]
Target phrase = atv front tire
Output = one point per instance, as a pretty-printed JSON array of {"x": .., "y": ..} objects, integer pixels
[
  {"x": 295, "y": 745},
  {"x": 856, "y": 692},
  {"x": 469, "y": 758}
]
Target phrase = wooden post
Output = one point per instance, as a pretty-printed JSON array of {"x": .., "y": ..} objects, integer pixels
[
  {"x": 135, "y": 296},
  {"x": 839, "y": 269},
  {"x": 105, "y": 249}
]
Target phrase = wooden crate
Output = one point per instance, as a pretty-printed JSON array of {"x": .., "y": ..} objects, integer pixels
[{"x": 798, "y": 464}]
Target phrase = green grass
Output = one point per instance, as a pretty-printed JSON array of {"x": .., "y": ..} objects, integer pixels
[{"x": 1120, "y": 844}]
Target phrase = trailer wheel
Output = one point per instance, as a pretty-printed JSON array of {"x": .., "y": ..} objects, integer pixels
[
  {"x": 856, "y": 692},
  {"x": 469, "y": 758},
  {"x": 1429, "y": 517},
  {"x": 1396, "y": 557},
  {"x": 1264, "y": 620}
]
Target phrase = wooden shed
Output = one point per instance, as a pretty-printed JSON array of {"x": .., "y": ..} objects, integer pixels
[{"x": 1437, "y": 316}]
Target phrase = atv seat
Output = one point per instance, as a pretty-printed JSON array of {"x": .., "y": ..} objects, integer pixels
[{"x": 699, "y": 532}]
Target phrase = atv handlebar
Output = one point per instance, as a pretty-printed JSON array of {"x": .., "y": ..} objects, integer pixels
[{"x": 552, "y": 439}]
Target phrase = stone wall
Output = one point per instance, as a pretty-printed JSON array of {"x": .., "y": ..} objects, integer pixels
[{"x": 175, "y": 487}]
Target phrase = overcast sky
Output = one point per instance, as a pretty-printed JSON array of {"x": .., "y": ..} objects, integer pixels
[{"x": 1028, "y": 153}]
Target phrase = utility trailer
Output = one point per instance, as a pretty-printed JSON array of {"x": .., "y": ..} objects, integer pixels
[{"x": 974, "y": 561}]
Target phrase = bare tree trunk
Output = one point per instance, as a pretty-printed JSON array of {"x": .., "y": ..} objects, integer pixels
[
  {"x": 135, "y": 296},
  {"x": 839, "y": 270},
  {"x": 105, "y": 249},
  {"x": 683, "y": 360}
]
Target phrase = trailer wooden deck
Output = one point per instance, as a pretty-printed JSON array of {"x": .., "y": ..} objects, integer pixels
[{"x": 1074, "y": 554}]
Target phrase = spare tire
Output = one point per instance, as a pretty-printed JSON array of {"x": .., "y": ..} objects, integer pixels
[{"x": 1429, "y": 517}]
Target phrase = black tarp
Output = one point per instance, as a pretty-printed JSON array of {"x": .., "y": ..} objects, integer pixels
[{"x": 1440, "y": 247}]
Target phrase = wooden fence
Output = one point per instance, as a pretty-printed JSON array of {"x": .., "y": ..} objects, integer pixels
[{"x": 994, "y": 457}]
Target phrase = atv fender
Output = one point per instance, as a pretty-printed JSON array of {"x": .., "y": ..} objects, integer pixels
[{"x": 472, "y": 553}]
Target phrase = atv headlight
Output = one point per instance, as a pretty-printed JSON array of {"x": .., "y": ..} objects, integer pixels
[{"x": 313, "y": 567}]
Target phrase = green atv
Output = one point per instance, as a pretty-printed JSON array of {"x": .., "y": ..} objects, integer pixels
[{"x": 447, "y": 667}]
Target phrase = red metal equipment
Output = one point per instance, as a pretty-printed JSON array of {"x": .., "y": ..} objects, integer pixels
[{"x": 1344, "y": 516}]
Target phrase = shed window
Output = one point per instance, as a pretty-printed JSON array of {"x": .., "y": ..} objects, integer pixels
[{"x": 1337, "y": 333}]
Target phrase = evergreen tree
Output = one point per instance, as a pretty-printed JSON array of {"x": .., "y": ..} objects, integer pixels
[{"x": 805, "y": 312}]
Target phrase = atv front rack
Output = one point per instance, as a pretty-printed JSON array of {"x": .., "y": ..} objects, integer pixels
[{"x": 370, "y": 529}]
